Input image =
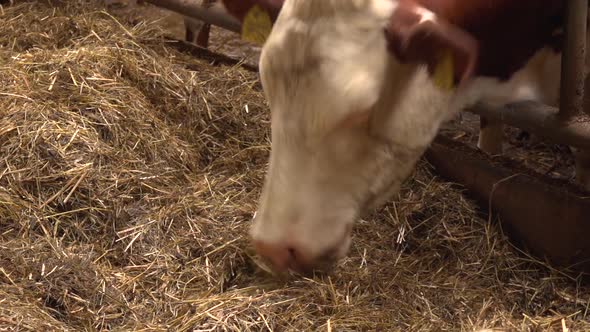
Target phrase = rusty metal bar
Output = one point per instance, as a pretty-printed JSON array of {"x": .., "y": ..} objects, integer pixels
[
  {"x": 539, "y": 119},
  {"x": 214, "y": 15},
  {"x": 573, "y": 59}
]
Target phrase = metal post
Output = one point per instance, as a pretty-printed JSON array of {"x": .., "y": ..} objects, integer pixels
[
  {"x": 215, "y": 16},
  {"x": 573, "y": 59}
]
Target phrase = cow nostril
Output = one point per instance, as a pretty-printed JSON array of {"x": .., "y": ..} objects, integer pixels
[
  {"x": 281, "y": 256},
  {"x": 328, "y": 254},
  {"x": 292, "y": 253}
]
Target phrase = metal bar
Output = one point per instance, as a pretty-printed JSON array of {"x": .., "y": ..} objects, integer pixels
[
  {"x": 208, "y": 55},
  {"x": 214, "y": 15},
  {"x": 539, "y": 119},
  {"x": 573, "y": 59}
]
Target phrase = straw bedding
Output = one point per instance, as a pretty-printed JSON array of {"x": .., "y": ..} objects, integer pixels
[{"x": 129, "y": 173}]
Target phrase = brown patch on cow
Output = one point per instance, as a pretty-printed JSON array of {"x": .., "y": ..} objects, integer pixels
[{"x": 509, "y": 32}]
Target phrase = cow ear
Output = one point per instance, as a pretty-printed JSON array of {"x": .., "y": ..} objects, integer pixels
[{"x": 415, "y": 34}]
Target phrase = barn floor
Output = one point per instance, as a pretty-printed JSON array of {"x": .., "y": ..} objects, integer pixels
[{"x": 129, "y": 175}]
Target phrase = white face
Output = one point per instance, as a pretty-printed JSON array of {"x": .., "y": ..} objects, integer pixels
[{"x": 348, "y": 125}]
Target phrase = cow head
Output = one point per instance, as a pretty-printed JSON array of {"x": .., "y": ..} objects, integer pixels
[{"x": 352, "y": 110}]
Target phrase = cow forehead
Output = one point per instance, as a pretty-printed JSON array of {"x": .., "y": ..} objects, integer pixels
[
  {"x": 304, "y": 26},
  {"x": 317, "y": 70},
  {"x": 310, "y": 9}
]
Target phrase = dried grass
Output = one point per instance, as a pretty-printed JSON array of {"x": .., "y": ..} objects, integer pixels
[{"x": 129, "y": 173}]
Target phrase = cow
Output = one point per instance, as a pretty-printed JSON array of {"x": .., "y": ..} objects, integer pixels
[
  {"x": 192, "y": 25},
  {"x": 358, "y": 90}
]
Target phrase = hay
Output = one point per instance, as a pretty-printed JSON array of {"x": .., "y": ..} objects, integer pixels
[{"x": 129, "y": 173}]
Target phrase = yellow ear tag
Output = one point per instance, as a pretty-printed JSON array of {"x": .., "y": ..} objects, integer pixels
[
  {"x": 444, "y": 72},
  {"x": 256, "y": 25}
]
